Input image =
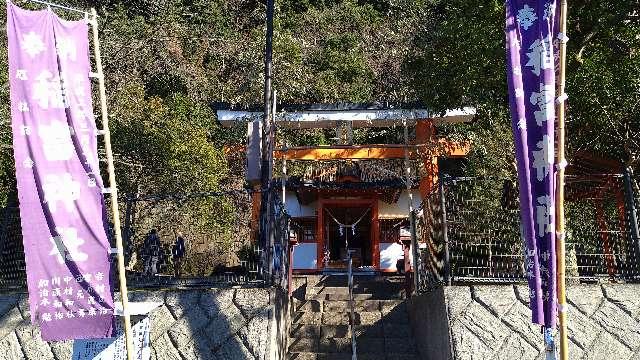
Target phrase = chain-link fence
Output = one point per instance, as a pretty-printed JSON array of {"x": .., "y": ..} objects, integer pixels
[
  {"x": 190, "y": 239},
  {"x": 470, "y": 228},
  {"x": 279, "y": 254},
  {"x": 220, "y": 239},
  {"x": 187, "y": 240},
  {"x": 12, "y": 265}
]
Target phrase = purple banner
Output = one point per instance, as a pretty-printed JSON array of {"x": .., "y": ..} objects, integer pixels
[
  {"x": 530, "y": 31},
  {"x": 59, "y": 185}
]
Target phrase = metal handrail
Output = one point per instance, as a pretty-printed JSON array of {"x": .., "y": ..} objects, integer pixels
[{"x": 354, "y": 347}]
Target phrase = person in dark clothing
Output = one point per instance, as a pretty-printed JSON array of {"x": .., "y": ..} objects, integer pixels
[
  {"x": 151, "y": 250},
  {"x": 178, "y": 253}
]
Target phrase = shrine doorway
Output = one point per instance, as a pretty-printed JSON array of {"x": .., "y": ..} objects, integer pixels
[{"x": 348, "y": 225}]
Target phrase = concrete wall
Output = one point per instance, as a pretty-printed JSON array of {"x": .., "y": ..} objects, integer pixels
[
  {"x": 493, "y": 322},
  {"x": 429, "y": 322},
  {"x": 216, "y": 324},
  {"x": 305, "y": 256}
]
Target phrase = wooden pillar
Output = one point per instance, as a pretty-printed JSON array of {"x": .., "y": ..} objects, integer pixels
[
  {"x": 256, "y": 201},
  {"x": 375, "y": 230},
  {"x": 622, "y": 222},
  {"x": 425, "y": 134},
  {"x": 604, "y": 235},
  {"x": 320, "y": 235}
]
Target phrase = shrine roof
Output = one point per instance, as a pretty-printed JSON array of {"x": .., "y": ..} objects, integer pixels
[
  {"x": 395, "y": 183},
  {"x": 338, "y": 106},
  {"x": 371, "y": 173},
  {"x": 329, "y": 115},
  {"x": 308, "y": 191}
]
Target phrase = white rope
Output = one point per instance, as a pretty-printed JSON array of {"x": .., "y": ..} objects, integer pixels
[
  {"x": 563, "y": 164},
  {"x": 49, "y": 4},
  {"x": 563, "y": 37},
  {"x": 342, "y": 226},
  {"x": 562, "y": 98}
]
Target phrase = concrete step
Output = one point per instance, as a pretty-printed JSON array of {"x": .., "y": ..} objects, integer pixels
[
  {"x": 361, "y": 305},
  {"x": 343, "y": 345},
  {"x": 388, "y": 330},
  {"x": 343, "y": 305},
  {"x": 319, "y": 356},
  {"x": 335, "y": 345},
  {"x": 342, "y": 331},
  {"x": 342, "y": 318},
  {"x": 378, "y": 289},
  {"x": 365, "y": 346},
  {"x": 320, "y": 324},
  {"x": 360, "y": 318},
  {"x": 396, "y": 357},
  {"x": 338, "y": 305},
  {"x": 356, "y": 296},
  {"x": 321, "y": 345},
  {"x": 303, "y": 345},
  {"x": 341, "y": 280},
  {"x": 319, "y": 331},
  {"x": 309, "y": 305},
  {"x": 347, "y": 356}
]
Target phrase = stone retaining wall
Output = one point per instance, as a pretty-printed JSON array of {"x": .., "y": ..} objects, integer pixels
[
  {"x": 493, "y": 322},
  {"x": 215, "y": 324}
]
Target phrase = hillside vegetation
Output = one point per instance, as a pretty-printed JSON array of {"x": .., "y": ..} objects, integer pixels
[{"x": 166, "y": 61}]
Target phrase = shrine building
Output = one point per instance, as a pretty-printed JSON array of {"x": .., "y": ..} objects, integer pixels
[{"x": 347, "y": 196}]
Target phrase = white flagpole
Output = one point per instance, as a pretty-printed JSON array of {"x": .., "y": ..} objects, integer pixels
[{"x": 113, "y": 186}]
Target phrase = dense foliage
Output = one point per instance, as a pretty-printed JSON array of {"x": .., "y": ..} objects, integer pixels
[
  {"x": 460, "y": 59},
  {"x": 166, "y": 61}
]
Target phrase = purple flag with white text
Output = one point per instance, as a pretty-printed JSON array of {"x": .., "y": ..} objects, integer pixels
[
  {"x": 531, "y": 34},
  {"x": 59, "y": 185}
]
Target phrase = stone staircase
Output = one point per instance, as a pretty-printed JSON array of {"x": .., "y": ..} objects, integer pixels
[{"x": 320, "y": 321}]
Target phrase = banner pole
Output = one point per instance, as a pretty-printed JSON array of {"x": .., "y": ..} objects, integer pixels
[
  {"x": 113, "y": 186},
  {"x": 561, "y": 162}
]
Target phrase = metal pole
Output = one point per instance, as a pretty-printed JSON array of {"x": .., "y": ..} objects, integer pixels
[
  {"x": 445, "y": 232},
  {"x": 266, "y": 131},
  {"x": 272, "y": 132},
  {"x": 114, "y": 188},
  {"x": 354, "y": 346},
  {"x": 412, "y": 219},
  {"x": 127, "y": 223},
  {"x": 272, "y": 197},
  {"x": 284, "y": 178},
  {"x": 633, "y": 217},
  {"x": 561, "y": 161}
]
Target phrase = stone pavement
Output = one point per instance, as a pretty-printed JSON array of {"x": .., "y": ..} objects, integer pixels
[
  {"x": 493, "y": 322},
  {"x": 213, "y": 324}
]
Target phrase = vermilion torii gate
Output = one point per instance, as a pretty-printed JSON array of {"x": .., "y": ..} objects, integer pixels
[{"x": 426, "y": 148}]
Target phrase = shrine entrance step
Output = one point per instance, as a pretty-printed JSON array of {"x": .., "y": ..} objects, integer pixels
[{"x": 320, "y": 321}]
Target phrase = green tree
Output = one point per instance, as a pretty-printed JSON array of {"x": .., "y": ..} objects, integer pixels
[
  {"x": 460, "y": 60},
  {"x": 7, "y": 169}
]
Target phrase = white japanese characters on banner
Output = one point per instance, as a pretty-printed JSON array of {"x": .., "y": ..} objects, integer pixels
[
  {"x": 59, "y": 187},
  {"x": 530, "y": 31}
]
